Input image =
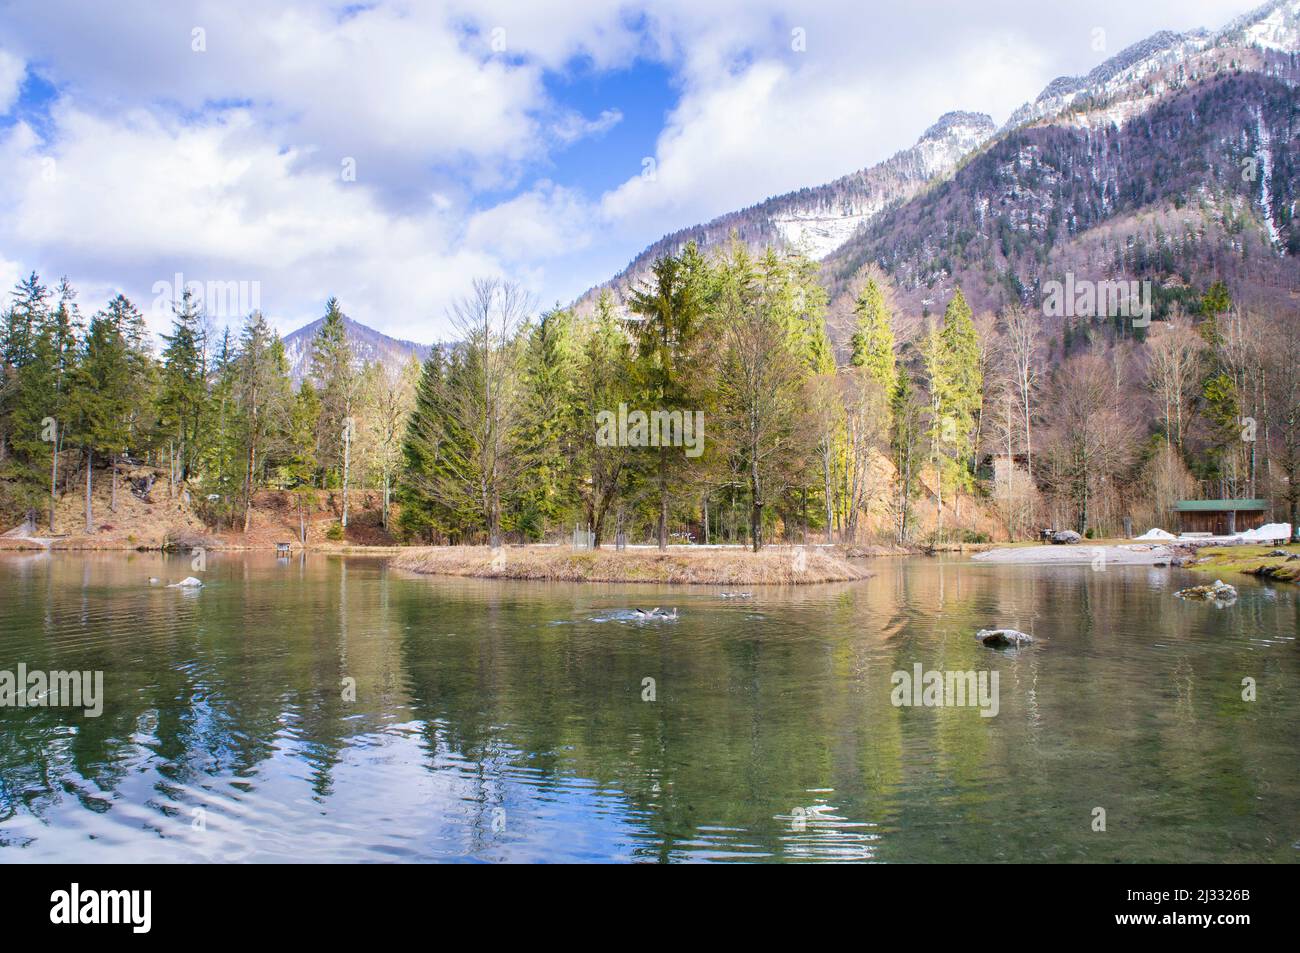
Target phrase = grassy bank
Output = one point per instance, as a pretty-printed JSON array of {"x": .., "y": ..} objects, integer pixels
[
  {"x": 1251, "y": 560},
  {"x": 714, "y": 567}
]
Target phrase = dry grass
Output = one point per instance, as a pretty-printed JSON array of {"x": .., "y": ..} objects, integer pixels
[{"x": 679, "y": 565}]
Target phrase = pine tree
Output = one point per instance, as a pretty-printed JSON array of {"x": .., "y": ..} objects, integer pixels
[
  {"x": 300, "y": 466},
  {"x": 262, "y": 395},
  {"x": 604, "y": 383},
  {"x": 904, "y": 438},
  {"x": 132, "y": 399},
  {"x": 873, "y": 339},
  {"x": 550, "y": 380},
  {"x": 422, "y": 515},
  {"x": 24, "y": 320},
  {"x": 334, "y": 372},
  {"x": 670, "y": 339},
  {"x": 432, "y": 485},
  {"x": 102, "y": 393},
  {"x": 952, "y": 360},
  {"x": 182, "y": 394}
]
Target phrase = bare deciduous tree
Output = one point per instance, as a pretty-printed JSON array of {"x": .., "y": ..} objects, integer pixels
[{"x": 1173, "y": 371}]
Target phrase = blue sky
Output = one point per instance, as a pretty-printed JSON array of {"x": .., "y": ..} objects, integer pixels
[{"x": 487, "y": 137}]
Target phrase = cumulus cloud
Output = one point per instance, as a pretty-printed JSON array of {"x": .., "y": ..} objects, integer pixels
[
  {"x": 210, "y": 137},
  {"x": 12, "y": 72},
  {"x": 217, "y": 201}
]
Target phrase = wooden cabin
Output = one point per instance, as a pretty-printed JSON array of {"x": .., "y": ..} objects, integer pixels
[{"x": 1221, "y": 517}]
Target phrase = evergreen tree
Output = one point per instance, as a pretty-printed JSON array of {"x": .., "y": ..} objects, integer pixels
[
  {"x": 952, "y": 359},
  {"x": 182, "y": 395},
  {"x": 262, "y": 394},
  {"x": 604, "y": 383},
  {"x": 102, "y": 392},
  {"x": 904, "y": 439},
  {"x": 550, "y": 378},
  {"x": 300, "y": 461},
  {"x": 669, "y": 335},
  {"x": 334, "y": 372},
  {"x": 873, "y": 338}
]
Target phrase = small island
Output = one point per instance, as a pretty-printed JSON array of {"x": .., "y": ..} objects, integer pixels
[{"x": 679, "y": 565}]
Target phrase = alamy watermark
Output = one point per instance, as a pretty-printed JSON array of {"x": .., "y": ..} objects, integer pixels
[
  {"x": 1084, "y": 298},
  {"x": 946, "y": 689},
  {"x": 657, "y": 428},
  {"x": 220, "y": 299},
  {"x": 129, "y": 907},
  {"x": 55, "y": 689}
]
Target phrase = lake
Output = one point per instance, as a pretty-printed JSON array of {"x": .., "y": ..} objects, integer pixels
[{"x": 327, "y": 709}]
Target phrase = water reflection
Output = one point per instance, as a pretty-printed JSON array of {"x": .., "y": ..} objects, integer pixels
[{"x": 326, "y": 709}]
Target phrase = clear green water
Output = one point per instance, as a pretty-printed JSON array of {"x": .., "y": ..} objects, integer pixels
[{"x": 505, "y": 721}]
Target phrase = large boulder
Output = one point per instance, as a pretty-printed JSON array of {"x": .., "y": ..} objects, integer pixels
[
  {"x": 1003, "y": 638},
  {"x": 1065, "y": 537}
]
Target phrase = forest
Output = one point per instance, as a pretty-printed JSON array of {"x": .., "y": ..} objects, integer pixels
[{"x": 926, "y": 429}]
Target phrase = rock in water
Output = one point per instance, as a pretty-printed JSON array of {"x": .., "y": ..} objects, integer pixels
[
  {"x": 1002, "y": 638},
  {"x": 189, "y": 582},
  {"x": 1221, "y": 594}
]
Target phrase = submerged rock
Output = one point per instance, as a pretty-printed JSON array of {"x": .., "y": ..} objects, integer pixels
[
  {"x": 1220, "y": 593},
  {"x": 1002, "y": 638},
  {"x": 189, "y": 582}
]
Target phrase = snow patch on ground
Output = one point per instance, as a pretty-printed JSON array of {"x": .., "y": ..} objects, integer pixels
[
  {"x": 1079, "y": 554},
  {"x": 1156, "y": 533},
  {"x": 1266, "y": 177},
  {"x": 1269, "y": 531}
]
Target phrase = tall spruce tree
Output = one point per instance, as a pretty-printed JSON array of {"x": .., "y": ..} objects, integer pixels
[
  {"x": 334, "y": 371},
  {"x": 952, "y": 359},
  {"x": 872, "y": 344},
  {"x": 183, "y": 388},
  {"x": 669, "y": 333}
]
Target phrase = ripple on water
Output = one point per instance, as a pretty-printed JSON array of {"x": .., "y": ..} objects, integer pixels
[{"x": 499, "y": 721}]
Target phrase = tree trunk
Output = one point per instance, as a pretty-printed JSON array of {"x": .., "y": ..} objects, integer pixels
[
  {"x": 112, "y": 499},
  {"x": 248, "y": 485},
  {"x": 54, "y": 477},
  {"x": 347, "y": 461},
  {"x": 756, "y": 525},
  {"x": 830, "y": 504},
  {"x": 90, "y": 516}
]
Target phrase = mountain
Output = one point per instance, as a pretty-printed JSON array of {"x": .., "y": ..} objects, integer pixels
[
  {"x": 1170, "y": 161},
  {"x": 368, "y": 346},
  {"x": 820, "y": 219}
]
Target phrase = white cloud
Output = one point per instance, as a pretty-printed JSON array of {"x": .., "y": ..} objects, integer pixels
[
  {"x": 135, "y": 200},
  {"x": 573, "y": 126},
  {"x": 224, "y": 164},
  {"x": 545, "y": 222},
  {"x": 12, "y": 72}
]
